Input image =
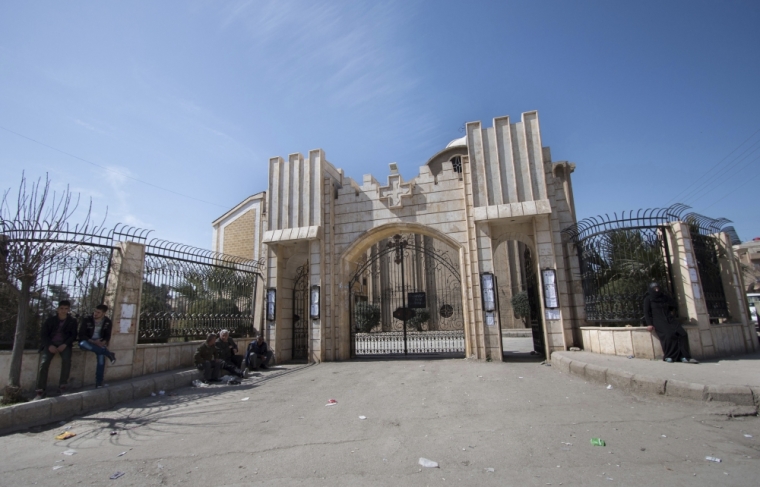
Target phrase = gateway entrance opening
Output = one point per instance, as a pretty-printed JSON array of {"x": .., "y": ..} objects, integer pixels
[{"x": 406, "y": 298}]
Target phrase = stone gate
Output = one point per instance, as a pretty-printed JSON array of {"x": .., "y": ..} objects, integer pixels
[{"x": 493, "y": 198}]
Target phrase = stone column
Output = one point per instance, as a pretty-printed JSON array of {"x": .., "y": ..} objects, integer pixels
[
  {"x": 691, "y": 302},
  {"x": 734, "y": 290},
  {"x": 123, "y": 296},
  {"x": 316, "y": 330},
  {"x": 490, "y": 333}
]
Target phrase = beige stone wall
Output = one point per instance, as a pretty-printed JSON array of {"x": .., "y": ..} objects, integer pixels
[{"x": 240, "y": 236}]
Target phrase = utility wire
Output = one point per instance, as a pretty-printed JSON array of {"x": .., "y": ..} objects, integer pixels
[
  {"x": 733, "y": 190},
  {"x": 724, "y": 176},
  {"x": 110, "y": 169},
  {"x": 686, "y": 189}
]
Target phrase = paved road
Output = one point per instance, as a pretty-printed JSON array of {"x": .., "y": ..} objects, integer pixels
[{"x": 531, "y": 424}]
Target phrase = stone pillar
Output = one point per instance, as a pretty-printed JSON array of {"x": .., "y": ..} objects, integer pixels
[
  {"x": 547, "y": 249},
  {"x": 123, "y": 296},
  {"x": 316, "y": 329},
  {"x": 691, "y": 302},
  {"x": 490, "y": 333},
  {"x": 736, "y": 299}
]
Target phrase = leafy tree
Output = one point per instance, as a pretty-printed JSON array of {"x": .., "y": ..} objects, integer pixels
[
  {"x": 366, "y": 315},
  {"x": 521, "y": 307},
  {"x": 420, "y": 317}
]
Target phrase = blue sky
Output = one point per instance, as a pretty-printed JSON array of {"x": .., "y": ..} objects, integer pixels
[{"x": 195, "y": 96}]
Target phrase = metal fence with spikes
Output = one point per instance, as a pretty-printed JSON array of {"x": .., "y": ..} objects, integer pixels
[
  {"x": 187, "y": 292},
  {"x": 190, "y": 292},
  {"x": 76, "y": 267},
  {"x": 620, "y": 254}
]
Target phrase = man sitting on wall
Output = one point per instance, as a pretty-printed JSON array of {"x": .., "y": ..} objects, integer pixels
[
  {"x": 227, "y": 350},
  {"x": 94, "y": 335},
  {"x": 57, "y": 335},
  {"x": 207, "y": 360},
  {"x": 258, "y": 354}
]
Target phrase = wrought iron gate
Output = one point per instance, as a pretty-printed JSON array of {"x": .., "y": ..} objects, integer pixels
[
  {"x": 301, "y": 314},
  {"x": 406, "y": 298}
]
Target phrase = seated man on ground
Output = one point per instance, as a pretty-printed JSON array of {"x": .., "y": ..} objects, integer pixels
[
  {"x": 258, "y": 354},
  {"x": 94, "y": 335},
  {"x": 227, "y": 350},
  {"x": 57, "y": 335},
  {"x": 207, "y": 360}
]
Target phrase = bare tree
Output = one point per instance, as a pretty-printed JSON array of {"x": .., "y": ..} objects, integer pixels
[{"x": 33, "y": 235}]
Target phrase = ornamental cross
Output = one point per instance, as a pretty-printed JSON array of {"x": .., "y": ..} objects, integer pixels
[{"x": 396, "y": 190}]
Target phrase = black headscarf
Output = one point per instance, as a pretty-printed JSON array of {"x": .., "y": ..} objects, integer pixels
[{"x": 656, "y": 294}]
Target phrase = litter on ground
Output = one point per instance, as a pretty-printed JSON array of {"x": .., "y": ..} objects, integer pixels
[
  {"x": 65, "y": 435},
  {"x": 428, "y": 463},
  {"x": 116, "y": 475},
  {"x": 713, "y": 459},
  {"x": 331, "y": 402},
  {"x": 69, "y": 452},
  {"x": 245, "y": 398},
  {"x": 362, "y": 417}
]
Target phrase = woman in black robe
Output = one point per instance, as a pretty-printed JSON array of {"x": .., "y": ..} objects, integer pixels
[{"x": 658, "y": 315}]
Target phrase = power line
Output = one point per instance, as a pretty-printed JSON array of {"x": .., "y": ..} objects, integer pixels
[
  {"x": 110, "y": 169},
  {"x": 733, "y": 191},
  {"x": 686, "y": 189},
  {"x": 725, "y": 175}
]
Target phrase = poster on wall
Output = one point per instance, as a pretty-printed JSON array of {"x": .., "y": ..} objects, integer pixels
[{"x": 550, "y": 288}]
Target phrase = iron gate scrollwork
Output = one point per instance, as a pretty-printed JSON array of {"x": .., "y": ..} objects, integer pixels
[
  {"x": 300, "y": 313},
  {"x": 382, "y": 321}
]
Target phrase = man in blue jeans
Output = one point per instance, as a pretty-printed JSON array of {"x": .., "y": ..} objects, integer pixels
[{"x": 94, "y": 335}]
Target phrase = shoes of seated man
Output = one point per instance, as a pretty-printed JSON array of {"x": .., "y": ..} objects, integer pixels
[
  {"x": 62, "y": 389},
  {"x": 669, "y": 360},
  {"x": 40, "y": 395},
  {"x": 689, "y": 360},
  {"x": 264, "y": 366},
  {"x": 113, "y": 359},
  {"x": 244, "y": 373},
  {"x": 99, "y": 386}
]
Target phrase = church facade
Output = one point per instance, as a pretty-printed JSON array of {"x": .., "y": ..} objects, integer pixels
[{"x": 429, "y": 265}]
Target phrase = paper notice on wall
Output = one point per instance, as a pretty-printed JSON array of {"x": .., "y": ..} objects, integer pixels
[
  {"x": 490, "y": 321},
  {"x": 697, "y": 291},
  {"x": 552, "y": 314},
  {"x": 127, "y": 311},
  {"x": 124, "y": 325}
]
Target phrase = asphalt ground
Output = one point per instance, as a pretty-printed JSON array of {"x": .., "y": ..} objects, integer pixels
[{"x": 529, "y": 423}]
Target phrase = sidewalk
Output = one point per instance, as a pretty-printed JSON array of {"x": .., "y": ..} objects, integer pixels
[
  {"x": 64, "y": 407},
  {"x": 734, "y": 380}
]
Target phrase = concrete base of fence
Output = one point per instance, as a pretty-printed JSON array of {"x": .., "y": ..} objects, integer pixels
[
  {"x": 63, "y": 408},
  {"x": 143, "y": 359}
]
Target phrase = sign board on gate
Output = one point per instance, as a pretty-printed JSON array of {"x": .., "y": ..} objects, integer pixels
[{"x": 416, "y": 300}]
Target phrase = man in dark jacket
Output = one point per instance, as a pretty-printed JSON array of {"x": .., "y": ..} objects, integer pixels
[
  {"x": 227, "y": 349},
  {"x": 94, "y": 335},
  {"x": 258, "y": 354},
  {"x": 207, "y": 360},
  {"x": 57, "y": 335},
  {"x": 658, "y": 308}
]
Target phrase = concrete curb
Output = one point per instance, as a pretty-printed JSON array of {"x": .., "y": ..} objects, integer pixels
[
  {"x": 655, "y": 386},
  {"x": 62, "y": 408}
]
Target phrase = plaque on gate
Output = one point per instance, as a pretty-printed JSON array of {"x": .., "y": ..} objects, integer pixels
[
  {"x": 416, "y": 300},
  {"x": 404, "y": 314}
]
